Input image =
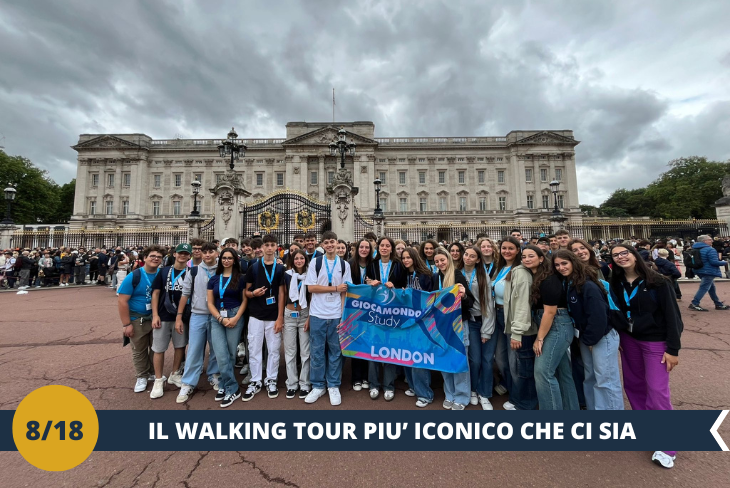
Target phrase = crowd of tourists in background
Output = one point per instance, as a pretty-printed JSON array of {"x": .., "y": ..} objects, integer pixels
[{"x": 547, "y": 318}]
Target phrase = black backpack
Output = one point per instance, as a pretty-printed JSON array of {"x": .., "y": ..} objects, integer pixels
[
  {"x": 318, "y": 264},
  {"x": 695, "y": 259}
]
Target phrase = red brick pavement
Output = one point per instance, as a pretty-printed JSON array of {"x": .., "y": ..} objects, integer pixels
[{"x": 72, "y": 337}]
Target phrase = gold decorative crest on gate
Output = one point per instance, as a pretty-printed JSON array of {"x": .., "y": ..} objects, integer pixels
[
  {"x": 305, "y": 220},
  {"x": 268, "y": 220}
]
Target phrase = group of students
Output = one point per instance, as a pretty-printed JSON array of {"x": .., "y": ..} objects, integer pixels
[{"x": 553, "y": 322}]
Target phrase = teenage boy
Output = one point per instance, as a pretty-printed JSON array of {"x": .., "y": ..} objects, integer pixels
[
  {"x": 544, "y": 244},
  {"x": 310, "y": 244},
  {"x": 197, "y": 245},
  {"x": 166, "y": 293},
  {"x": 195, "y": 289},
  {"x": 326, "y": 280},
  {"x": 135, "y": 312},
  {"x": 266, "y": 299},
  {"x": 256, "y": 251},
  {"x": 554, "y": 246},
  {"x": 563, "y": 238}
]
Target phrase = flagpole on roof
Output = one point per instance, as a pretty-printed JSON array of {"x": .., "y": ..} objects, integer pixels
[{"x": 333, "y": 105}]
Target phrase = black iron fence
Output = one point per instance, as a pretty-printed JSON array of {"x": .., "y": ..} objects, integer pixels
[
  {"x": 98, "y": 238},
  {"x": 362, "y": 226},
  {"x": 285, "y": 214}
]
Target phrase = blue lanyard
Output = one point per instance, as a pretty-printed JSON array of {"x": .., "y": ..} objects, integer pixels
[
  {"x": 147, "y": 279},
  {"x": 439, "y": 281},
  {"x": 489, "y": 270},
  {"x": 269, "y": 278},
  {"x": 362, "y": 275},
  {"x": 385, "y": 274},
  {"x": 222, "y": 288},
  {"x": 299, "y": 288},
  {"x": 500, "y": 276},
  {"x": 329, "y": 271},
  {"x": 473, "y": 275},
  {"x": 628, "y": 298},
  {"x": 175, "y": 278}
]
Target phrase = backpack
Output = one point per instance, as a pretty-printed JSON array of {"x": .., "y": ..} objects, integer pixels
[
  {"x": 318, "y": 265},
  {"x": 695, "y": 259},
  {"x": 18, "y": 264}
]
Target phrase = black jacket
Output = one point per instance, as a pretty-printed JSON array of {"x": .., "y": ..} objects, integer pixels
[
  {"x": 397, "y": 273},
  {"x": 654, "y": 312},
  {"x": 467, "y": 301},
  {"x": 589, "y": 311},
  {"x": 666, "y": 268}
]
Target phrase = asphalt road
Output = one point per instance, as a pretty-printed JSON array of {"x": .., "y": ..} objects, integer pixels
[{"x": 71, "y": 337}]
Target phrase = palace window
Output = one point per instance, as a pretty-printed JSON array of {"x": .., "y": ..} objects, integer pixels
[
  {"x": 178, "y": 179},
  {"x": 528, "y": 175},
  {"x": 462, "y": 177},
  {"x": 530, "y": 202},
  {"x": 384, "y": 204},
  {"x": 382, "y": 160},
  {"x": 560, "y": 201},
  {"x": 404, "y": 204},
  {"x": 176, "y": 207},
  {"x": 402, "y": 177},
  {"x": 198, "y": 177},
  {"x": 558, "y": 174},
  {"x": 460, "y": 160},
  {"x": 126, "y": 179},
  {"x": 502, "y": 203},
  {"x": 218, "y": 178},
  {"x": 546, "y": 201},
  {"x": 422, "y": 206},
  {"x": 543, "y": 174},
  {"x": 480, "y": 176},
  {"x": 95, "y": 179},
  {"x": 383, "y": 178},
  {"x": 422, "y": 177},
  {"x": 279, "y": 179},
  {"x": 462, "y": 203},
  {"x": 401, "y": 160},
  {"x": 442, "y": 177},
  {"x": 421, "y": 160},
  {"x": 156, "y": 209},
  {"x": 259, "y": 179},
  {"x": 482, "y": 203},
  {"x": 125, "y": 207},
  {"x": 500, "y": 176},
  {"x": 109, "y": 207},
  {"x": 313, "y": 178},
  {"x": 443, "y": 206},
  {"x": 92, "y": 207},
  {"x": 157, "y": 181},
  {"x": 110, "y": 180},
  {"x": 330, "y": 177}
]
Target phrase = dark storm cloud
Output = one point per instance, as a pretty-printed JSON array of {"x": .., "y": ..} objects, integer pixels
[{"x": 443, "y": 68}]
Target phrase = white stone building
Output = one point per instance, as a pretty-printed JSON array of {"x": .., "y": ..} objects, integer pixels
[{"x": 132, "y": 180}]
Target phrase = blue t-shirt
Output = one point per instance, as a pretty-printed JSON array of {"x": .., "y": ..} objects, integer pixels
[
  {"x": 138, "y": 297},
  {"x": 232, "y": 297}
]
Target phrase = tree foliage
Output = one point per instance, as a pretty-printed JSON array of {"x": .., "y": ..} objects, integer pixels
[
  {"x": 687, "y": 189},
  {"x": 39, "y": 200}
]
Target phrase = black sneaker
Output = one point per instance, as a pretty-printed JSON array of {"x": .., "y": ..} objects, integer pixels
[
  {"x": 230, "y": 398},
  {"x": 722, "y": 307},
  {"x": 220, "y": 395},
  {"x": 303, "y": 393},
  {"x": 697, "y": 308},
  {"x": 253, "y": 388},
  {"x": 291, "y": 393},
  {"x": 272, "y": 390}
]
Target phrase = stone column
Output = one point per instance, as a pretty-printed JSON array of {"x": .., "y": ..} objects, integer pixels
[
  {"x": 6, "y": 235},
  {"x": 341, "y": 195},
  {"x": 228, "y": 199},
  {"x": 321, "y": 178},
  {"x": 194, "y": 225}
]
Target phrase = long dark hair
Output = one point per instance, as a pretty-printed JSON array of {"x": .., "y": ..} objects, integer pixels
[
  {"x": 435, "y": 246},
  {"x": 649, "y": 276},
  {"x": 419, "y": 266},
  {"x": 290, "y": 260},
  {"x": 235, "y": 271},
  {"x": 592, "y": 260},
  {"x": 518, "y": 257},
  {"x": 355, "y": 261},
  {"x": 460, "y": 263},
  {"x": 581, "y": 272},
  {"x": 393, "y": 256},
  {"x": 481, "y": 279},
  {"x": 542, "y": 271}
]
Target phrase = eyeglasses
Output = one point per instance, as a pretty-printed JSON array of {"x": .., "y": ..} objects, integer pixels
[
  {"x": 621, "y": 254},
  {"x": 197, "y": 248},
  {"x": 154, "y": 257}
]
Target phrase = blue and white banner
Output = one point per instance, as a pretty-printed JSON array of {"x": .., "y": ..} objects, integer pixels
[{"x": 406, "y": 327}]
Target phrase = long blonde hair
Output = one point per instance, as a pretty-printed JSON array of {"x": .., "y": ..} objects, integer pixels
[
  {"x": 449, "y": 278},
  {"x": 495, "y": 248}
]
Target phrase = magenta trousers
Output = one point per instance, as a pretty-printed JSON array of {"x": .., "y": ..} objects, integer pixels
[{"x": 646, "y": 380}]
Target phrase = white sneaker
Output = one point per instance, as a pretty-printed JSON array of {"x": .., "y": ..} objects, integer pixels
[
  {"x": 214, "y": 381},
  {"x": 410, "y": 392},
  {"x": 185, "y": 393},
  {"x": 175, "y": 379},
  {"x": 141, "y": 385},
  {"x": 474, "y": 400},
  {"x": 509, "y": 405},
  {"x": 158, "y": 389},
  {"x": 486, "y": 404},
  {"x": 22, "y": 288},
  {"x": 388, "y": 395},
  {"x": 374, "y": 392},
  {"x": 365, "y": 385},
  {"x": 663, "y": 459},
  {"x": 335, "y": 398},
  {"x": 314, "y": 395},
  {"x": 501, "y": 390},
  {"x": 421, "y": 403},
  {"x": 448, "y": 404}
]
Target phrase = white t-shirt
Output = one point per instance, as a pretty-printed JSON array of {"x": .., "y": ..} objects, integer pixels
[{"x": 327, "y": 305}]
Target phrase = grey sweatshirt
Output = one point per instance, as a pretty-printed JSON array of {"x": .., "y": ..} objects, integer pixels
[{"x": 199, "y": 301}]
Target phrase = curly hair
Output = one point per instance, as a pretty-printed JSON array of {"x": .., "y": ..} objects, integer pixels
[{"x": 540, "y": 274}]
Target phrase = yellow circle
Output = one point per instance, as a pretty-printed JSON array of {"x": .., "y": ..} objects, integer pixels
[{"x": 52, "y": 412}]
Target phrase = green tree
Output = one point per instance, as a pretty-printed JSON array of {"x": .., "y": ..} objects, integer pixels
[
  {"x": 37, "y": 197},
  {"x": 65, "y": 207},
  {"x": 634, "y": 203},
  {"x": 688, "y": 189}
]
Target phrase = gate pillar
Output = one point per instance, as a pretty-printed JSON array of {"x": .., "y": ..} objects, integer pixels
[
  {"x": 229, "y": 195},
  {"x": 341, "y": 193}
]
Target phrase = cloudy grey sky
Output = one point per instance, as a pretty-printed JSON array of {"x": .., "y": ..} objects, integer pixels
[{"x": 640, "y": 83}]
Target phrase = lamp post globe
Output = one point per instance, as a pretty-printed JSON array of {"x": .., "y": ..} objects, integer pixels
[
  {"x": 10, "y": 193},
  {"x": 232, "y": 147},
  {"x": 341, "y": 147}
]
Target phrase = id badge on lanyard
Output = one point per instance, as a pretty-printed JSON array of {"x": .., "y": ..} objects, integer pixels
[{"x": 270, "y": 300}]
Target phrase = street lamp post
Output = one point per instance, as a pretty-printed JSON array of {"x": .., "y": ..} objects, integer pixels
[
  {"x": 9, "y": 197},
  {"x": 557, "y": 217},
  {"x": 342, "y": 147},
  {"x": 232, "y": 147},
  {"x": 196, "y": 189},
  {"x": 378, "y": 216},
  {"x": 554, "y": 185}
]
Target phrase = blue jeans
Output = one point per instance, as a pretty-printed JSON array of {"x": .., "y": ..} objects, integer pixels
[
  {"x": 225, "y": 341},
  {"x": 553, "y": 373},
  {"x": 420, "y": 380},
  {"x": 199, "y": 335},
  {"x": 389, "y": 375},
  {"x": 501, "y": 353},
  {"x": 481, "y": 360},
  {"x": 522, "y": 366},
  {"x": 602, "y": 385},
  {"x": 707, "y": 284},
  {"x": 323, "y": 333}
]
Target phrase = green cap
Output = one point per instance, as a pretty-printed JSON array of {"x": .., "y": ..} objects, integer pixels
[{"x": 184, "y": 248}]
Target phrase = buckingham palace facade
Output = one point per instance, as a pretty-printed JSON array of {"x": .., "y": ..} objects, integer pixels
[{"x": 133, "y": 181}]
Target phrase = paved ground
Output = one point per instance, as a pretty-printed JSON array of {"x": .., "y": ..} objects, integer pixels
[{"x": 71, "y": 337}]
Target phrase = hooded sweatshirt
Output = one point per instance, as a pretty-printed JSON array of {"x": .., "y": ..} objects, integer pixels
[{"x": 199, "y": 300}]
